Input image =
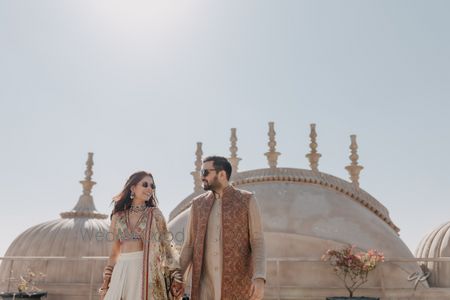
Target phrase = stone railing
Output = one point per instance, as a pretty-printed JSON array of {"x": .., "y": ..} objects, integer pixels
[{"x": 275, "y": 290}]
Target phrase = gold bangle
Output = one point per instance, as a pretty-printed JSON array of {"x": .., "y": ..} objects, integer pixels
[
  {"x": 178, "y": 280},
  {"x": 176, "y": 276},
  {"x": 107, "y": 272}
]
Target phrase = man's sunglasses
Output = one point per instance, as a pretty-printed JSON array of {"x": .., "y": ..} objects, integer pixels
[{"x": 205, "y": 172}]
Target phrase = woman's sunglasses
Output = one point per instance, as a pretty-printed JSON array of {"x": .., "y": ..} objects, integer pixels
[{"x": 145, "y": 184}]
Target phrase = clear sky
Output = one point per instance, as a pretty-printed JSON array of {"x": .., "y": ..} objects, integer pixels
[{"x": 140, "y": 82}]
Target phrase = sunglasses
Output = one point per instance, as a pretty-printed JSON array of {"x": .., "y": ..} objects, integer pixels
[
  {"x": 205, "y": 172},
  {"x": 152, "y": 185}
]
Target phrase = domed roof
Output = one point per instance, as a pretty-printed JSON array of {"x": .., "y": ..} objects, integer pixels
[
  {"x": 436, "y": 244},
  {"x": 291, "y": 175},
  {"x": 306, "y": 212},
  {"x": 66, "y": 237},
  {"x": 61, "y": 244},
  {"x": 298, "y": 201}
]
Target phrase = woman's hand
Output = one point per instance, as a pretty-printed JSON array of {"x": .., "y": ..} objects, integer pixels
[
  {"x": 177, "y": 289},
  {"x": 102, "y": 291}
]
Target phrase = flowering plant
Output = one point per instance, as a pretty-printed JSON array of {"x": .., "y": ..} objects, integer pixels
[
  {"x": 351, "y": 267},
  {"x": 27, "y": 283}
]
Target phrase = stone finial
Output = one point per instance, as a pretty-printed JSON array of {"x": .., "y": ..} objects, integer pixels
[
  {"x": 87, "y": 183},
  {"x": 354, "y": 169},
  {"x": 272, "y": 155},
  {"x": 234, "y": 159},
  {"x": 313, "y": 156},
  {"x": 198, "y": 165},
  {"x": 85, "y": 207}
]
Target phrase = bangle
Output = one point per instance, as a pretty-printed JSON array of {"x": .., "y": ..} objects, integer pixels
[
  {"x": 108, "y": 268},
  {"x": 176, "y": 276},
  {"x": 107, "y": 272},
  {"x": 102, "y": 291}
]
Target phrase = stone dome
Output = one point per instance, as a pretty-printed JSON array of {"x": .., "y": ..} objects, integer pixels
[
  {"x": 436, "y": 244},
  {"x": 306, "y": 212},
  {"x": 56, "y": 248}
]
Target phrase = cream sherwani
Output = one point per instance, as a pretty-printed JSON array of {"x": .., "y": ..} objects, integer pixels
[{"x": 211, "y": 277}]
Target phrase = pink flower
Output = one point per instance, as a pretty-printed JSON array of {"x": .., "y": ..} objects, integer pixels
[{"x": 358, "y": 265}]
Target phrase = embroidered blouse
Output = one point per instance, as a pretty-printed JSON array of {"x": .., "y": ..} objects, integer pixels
[
  {"x": 160, "y": 256},
  {"x": 124, "y": 233}
]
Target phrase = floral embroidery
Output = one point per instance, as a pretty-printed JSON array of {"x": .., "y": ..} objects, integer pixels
[{"x": 161, "y": 256}]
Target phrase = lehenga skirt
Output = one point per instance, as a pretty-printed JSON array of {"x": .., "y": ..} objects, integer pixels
[{"x": 126, "y": 279}]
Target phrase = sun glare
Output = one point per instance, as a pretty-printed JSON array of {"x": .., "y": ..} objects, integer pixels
[{"x": 140, "y": 15}]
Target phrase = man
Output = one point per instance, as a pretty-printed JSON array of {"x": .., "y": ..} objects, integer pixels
[{"x": 224, "y": 241}]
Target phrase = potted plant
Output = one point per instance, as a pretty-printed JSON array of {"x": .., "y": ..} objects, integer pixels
[
  {"x": 352, "y": 268},
  {"x": 26, "y": 287}
]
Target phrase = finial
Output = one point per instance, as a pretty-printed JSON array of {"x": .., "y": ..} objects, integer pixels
[
  {"x": 85, "y": 207},
  {"x": 313, "y": 156},
  {"x": 354, "y": 169},
  {"x": 87, "y": 183},
  {"x": 198, "y": 166},
  {"x": 234, "y": 159},
  {"x": 272, "y": 155}
]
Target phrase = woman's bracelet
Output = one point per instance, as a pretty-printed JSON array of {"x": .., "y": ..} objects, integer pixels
[
  {"x": 107, "y": 272},
  {"x": 176, "y": 276},
  {"x": 102, "y": 291}
]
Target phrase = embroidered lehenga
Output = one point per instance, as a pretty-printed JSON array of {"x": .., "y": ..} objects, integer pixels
[{"x": 140, "y": 275}]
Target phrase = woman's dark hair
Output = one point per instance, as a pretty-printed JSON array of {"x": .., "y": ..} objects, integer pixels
[
  {"x": 220, "y": 164},
  {"x": 123, "y": 201}
]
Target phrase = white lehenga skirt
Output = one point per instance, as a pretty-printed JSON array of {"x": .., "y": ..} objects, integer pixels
[{"x": 126, "y": 279}]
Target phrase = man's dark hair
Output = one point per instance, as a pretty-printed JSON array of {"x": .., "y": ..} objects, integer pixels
[{"x": 220, "y": 164}]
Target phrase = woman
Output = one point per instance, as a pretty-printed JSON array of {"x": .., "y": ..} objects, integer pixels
[{"x": 142, "y": 257}]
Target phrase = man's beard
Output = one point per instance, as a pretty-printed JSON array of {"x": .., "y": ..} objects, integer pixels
[{"x": 211, "y": 186}]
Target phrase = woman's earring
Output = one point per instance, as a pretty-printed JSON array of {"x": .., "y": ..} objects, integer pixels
[{"x": 132, "y": 195}]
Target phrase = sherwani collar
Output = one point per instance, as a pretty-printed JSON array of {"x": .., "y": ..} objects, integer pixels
[{"x": 228, "y": 190}]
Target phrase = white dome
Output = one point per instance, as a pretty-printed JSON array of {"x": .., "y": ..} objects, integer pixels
[
  {"x": 83, "y": 231},
  {"x": 436, "y": 244},
  {"x": 305, "y": 213},
  {"x": 68, "y": 237}
]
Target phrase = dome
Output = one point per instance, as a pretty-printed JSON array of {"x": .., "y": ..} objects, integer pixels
[
  {"x": 56, "y": 248},
  {"x": 306, "y": 212},
  {"x": 436, "y": 244}
]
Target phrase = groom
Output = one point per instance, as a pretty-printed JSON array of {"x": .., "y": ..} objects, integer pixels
[{"x": 224, "y": 239}]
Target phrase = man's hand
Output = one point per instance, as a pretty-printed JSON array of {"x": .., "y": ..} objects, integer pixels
[
  {"x": 257, "y": 289},
  {"x": 177, "y": 289}
]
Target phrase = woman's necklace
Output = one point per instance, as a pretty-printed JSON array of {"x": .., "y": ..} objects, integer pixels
[
  {"x": 135, "y": 209},
  {"x": 127, "y": 220}
]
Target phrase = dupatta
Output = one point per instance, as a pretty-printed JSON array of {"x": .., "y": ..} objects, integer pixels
[{"x": 160, "y": 258}]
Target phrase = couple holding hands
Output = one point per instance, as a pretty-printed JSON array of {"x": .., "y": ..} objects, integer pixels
[{"x": 223, "y": 248}]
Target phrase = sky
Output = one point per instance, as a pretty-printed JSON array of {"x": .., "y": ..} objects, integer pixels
[{"x": 140, "y": 82}]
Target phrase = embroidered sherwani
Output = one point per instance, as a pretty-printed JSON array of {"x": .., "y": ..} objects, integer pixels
[{"x": 225, "y": 237}]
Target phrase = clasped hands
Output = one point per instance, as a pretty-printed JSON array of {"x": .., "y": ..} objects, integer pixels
[{"x": 177, "y": 289}]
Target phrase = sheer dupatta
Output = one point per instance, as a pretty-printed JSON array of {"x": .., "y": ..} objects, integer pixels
[{"x": 160, "y": 256}]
